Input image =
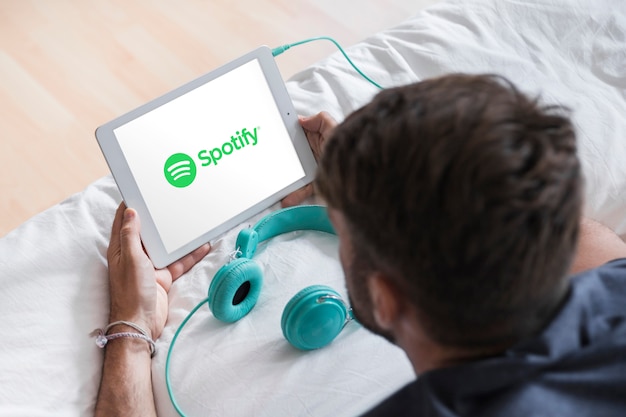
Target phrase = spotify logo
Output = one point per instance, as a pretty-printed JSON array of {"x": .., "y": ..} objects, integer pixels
[{"x": 180, "y": 170}]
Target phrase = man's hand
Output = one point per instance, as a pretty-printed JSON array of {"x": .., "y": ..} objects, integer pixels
[
  {"x": 139, "y": 295},
  {"x": 138, "y": 290},
  {"x": 318, "y": 129}
]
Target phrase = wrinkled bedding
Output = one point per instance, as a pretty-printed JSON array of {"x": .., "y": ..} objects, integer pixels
[{"x": 53, "y": 276}]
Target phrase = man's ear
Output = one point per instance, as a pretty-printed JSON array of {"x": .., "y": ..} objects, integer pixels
[{"x": 385, "y": 300}]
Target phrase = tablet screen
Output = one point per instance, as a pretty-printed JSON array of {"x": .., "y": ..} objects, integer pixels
[{"x": 208, "y": 155}]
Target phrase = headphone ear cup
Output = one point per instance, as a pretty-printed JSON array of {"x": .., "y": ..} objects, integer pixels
[
  {"x": 310, "y": 320},
  {"x": 235, "y": 289}
]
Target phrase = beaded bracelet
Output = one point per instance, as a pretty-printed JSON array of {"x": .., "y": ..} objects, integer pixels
[{"x": 102, "y": 338}]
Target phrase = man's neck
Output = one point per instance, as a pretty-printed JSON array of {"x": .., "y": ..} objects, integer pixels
[{"x": 426, "y": 354}]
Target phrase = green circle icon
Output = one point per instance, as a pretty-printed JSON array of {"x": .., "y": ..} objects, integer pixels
[{"x": 180, "y": 170}]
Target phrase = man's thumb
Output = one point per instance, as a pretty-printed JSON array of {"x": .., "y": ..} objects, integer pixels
[{"x": 129, "y": 234}]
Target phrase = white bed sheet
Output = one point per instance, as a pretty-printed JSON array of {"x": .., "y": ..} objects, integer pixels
[{"x": 53, "y": 285}]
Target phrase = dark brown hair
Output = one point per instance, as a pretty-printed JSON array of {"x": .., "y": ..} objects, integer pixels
[{"x": 467, "y": 194}]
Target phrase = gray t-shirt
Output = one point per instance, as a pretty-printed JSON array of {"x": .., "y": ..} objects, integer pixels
[{"x": 575, "y": 367}]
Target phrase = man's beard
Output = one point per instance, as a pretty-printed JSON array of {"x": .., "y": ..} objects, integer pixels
[{"x": 361, "y": 300}]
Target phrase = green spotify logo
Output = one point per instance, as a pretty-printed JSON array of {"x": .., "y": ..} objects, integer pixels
[{"x": 180, "y": 170}]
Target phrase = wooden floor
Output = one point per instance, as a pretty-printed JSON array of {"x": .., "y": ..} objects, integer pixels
[{"x": 67, "y": 66}]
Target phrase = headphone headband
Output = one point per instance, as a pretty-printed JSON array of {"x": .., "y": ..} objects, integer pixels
[{"x": 310, "y": 217}]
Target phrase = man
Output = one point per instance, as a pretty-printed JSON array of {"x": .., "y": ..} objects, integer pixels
[{"x": 457, "y": 203}]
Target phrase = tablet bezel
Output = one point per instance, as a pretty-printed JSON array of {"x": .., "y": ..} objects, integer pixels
[{"x": 129, "y": 189}]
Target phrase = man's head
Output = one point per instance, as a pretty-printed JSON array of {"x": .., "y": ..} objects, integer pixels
[{"x": 465, "y": 195}]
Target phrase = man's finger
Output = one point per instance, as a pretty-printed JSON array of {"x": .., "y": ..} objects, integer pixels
[
  {"x": 130, "y": 240},
  {"x": 318, "y": 129},
  {"x": 183, "y": 265},
  {"x": 297, "y": 196},
  {"x": 114, "y": 244},
  {"x": 322, "y": 123}
]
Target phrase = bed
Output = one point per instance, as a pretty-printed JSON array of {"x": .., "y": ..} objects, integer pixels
[{"x": 53, "y": 282}]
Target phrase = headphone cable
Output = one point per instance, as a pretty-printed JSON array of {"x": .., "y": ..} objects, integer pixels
[
  {"x": 275, "y": 52},
  {"x": 168, "y": 383},
  {"x": 280, "y": 49}
]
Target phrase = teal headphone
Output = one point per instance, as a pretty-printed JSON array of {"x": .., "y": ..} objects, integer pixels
[{"x": 314, "y": 316}]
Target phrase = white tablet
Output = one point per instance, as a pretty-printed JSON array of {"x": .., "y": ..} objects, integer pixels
[{"x": 205, "y": 157}]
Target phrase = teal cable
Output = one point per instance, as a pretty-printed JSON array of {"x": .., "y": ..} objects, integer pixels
[
  {"x": 275, "y": 52},
  {"x": 169, "y": 356},
  {"x": 279, "y": 50}
]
